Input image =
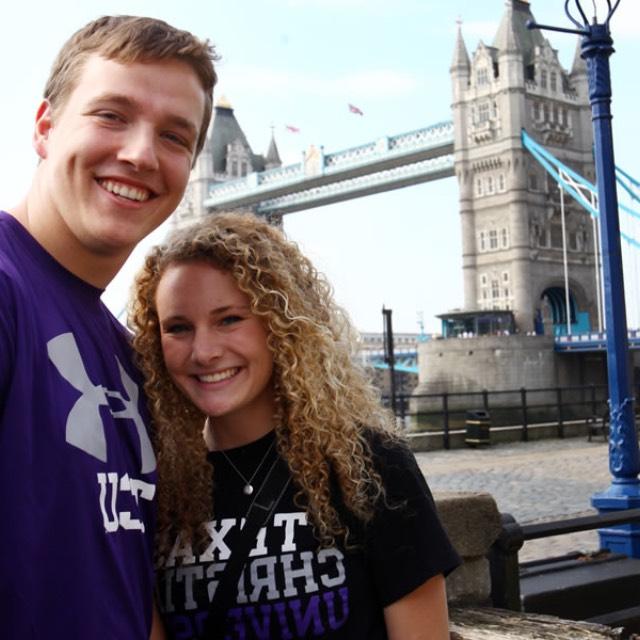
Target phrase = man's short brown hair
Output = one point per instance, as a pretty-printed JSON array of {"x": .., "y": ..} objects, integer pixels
[{"x": 128, "y": 39}]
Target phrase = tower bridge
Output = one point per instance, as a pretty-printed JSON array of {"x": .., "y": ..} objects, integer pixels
[
  {"x": 524, "y": 249},
  {"x": 381, "y": 165},
  {"x": 530, "y": 258}
]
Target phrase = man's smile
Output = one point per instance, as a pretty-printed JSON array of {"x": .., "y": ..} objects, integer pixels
[{"x": 123, "y": 190}]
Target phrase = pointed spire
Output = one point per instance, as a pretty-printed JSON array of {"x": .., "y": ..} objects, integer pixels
[
  {"x": 272, "y": 159},
  {"x": 579, "y": 65},
  {"x": 460, "y": 55},
  {"x": 506, "y": 40},
  {"x": 223, "y": 102}
]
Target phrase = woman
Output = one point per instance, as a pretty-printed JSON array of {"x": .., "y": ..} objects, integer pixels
[{"x": 236, "y": 330}]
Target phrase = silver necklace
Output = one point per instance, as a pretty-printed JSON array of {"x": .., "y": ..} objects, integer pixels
[{"x": 248, "y": 487}]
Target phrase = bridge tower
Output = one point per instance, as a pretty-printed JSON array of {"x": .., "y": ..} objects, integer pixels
[
  {"x": 226, "y": 155},
  {"x": 512, "y": 239}
]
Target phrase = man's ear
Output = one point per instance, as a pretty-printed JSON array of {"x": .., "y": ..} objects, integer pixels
[{"x": 44, "y": 124}]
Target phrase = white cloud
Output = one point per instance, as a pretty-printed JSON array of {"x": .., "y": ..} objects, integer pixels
[
  {"x": 373, "y": 83},
  {"x": 626, "y": 20},
  {"x": 473, "y": 30},
  {"x": 330, "y": 4},
  {"x": 377, "y": 83}
]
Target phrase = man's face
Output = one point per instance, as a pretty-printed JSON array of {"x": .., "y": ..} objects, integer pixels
[{"x": 115, "y": 156}]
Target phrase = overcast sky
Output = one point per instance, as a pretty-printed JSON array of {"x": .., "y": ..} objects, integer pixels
[{"x": 299, "y": 63}]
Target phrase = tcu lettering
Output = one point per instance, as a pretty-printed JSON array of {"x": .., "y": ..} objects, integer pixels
[{"x": 111, "y": 487}]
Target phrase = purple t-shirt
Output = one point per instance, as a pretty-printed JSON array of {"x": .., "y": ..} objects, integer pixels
[{"x": 77, "y": 470}]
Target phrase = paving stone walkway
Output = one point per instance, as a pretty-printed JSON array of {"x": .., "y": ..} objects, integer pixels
[{"x": 533, "y": 481}]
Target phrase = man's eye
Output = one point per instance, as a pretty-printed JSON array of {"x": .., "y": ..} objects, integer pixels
[
  {"x": 109, "y": 116},
  {"x": 177, "y": 139}
]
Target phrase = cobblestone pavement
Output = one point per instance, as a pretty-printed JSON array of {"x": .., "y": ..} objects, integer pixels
[{"x": 534, "y": 481}]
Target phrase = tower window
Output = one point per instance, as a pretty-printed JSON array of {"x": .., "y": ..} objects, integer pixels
[
  {"x": 556, "y": 236},
  {"x": 543, "y": 239},
  {"x": 573, "y": 241},
  {"x": 535, "y": 234},
  {"x": 501, "y": 182},
  {"x": 536, "y": 111},
  {"x": 489, "y": 185},
  {"x": 482, "y": 77},
  {"x": 483, "y": 247},
  {"x": 543, "y": 79},
  {"x": 504, "y": 237},
  {"x": 553, "y": 80},
  {"x": 478, "y": 186},
  {"x": 493, "y": 239},
  {"x": 483, "y": 112}
]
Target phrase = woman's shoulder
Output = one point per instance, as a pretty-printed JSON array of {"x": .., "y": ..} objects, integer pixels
[
  {"x": 395, "y": 462},
  {"x": 387, "y": 447}
]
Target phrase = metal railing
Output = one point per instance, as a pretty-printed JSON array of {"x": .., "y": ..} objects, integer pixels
[
  {"x": 514, "y": 408},
  {"x": 503, "y": 557}
]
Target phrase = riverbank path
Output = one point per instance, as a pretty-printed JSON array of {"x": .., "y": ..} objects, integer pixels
[{"x": 533, "y": 481}]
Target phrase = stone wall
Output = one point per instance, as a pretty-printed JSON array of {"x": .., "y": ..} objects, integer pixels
[
  {"x": 459, "y": 366},
  {"x": 467, "y": 365},
  {"x": 472, "y": 522}
]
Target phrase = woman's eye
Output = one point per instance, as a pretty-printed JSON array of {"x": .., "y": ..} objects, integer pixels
[
  {"x": 228, "y": 320},
  {"x": 175, "y": 328}
]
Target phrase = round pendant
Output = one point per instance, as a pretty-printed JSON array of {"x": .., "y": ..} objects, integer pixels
[{"x": 248, "y": 490}]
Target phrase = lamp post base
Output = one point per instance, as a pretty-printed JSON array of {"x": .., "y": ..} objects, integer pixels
[{"x": 621, "y": 495}]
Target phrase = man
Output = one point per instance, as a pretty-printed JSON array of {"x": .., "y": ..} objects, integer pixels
[{"x": 124, "y": 115}]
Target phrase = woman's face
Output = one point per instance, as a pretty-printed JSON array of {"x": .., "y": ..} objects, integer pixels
[{"x": 214, "y": 347}]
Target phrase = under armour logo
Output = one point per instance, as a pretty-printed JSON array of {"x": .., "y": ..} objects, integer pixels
[{"x": 84, "y": 428}]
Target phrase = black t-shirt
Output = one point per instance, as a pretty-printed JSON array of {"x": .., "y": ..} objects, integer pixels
[{"x": 290, "y": 587}]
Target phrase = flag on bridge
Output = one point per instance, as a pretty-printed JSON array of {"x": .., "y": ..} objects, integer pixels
[{"x": 356, "y": 110}]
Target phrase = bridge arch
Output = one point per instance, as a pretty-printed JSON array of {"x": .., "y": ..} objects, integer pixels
[{"x": 552, "y": 313}]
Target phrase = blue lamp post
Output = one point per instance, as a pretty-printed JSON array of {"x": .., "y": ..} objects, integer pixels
[{"x": 624, "y": 457}]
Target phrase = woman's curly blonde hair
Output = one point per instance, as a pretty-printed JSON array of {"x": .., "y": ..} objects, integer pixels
[{"x": 323, "y": 398}]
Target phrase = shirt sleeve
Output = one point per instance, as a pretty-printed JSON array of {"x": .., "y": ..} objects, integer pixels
[{"x": 406, "y": 543}]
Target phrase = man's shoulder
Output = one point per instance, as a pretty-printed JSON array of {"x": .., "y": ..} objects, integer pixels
[
  {"x": 11, "y": 279},
  {"x": 9, "y": 251}
]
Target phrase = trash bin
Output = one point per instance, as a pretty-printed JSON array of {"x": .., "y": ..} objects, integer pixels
[{"x": 478, "y": 426}]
